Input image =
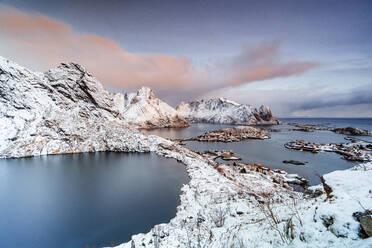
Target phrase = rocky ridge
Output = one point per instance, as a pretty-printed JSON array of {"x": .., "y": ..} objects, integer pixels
[
  {"x": 224, "y": 111},
  {"x": 64, "y": 110}
]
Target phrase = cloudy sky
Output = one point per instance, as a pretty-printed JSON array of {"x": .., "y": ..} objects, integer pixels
[{"x": 302, "y": 58}]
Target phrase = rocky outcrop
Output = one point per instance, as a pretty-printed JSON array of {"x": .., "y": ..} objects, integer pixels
[
  {"x": 64, "y": 110},
  {"x": 352, "y": 131},
  {"x": 224, "y": 111},
  {"x": 295, "y": 162},
  {"x": 233, "y": 134},
  {"x": 365, "y": 220},
  {"x": 145, "y": 110}
]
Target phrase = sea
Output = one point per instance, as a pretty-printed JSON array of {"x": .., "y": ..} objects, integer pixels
[{"x": 271, "y": 152}]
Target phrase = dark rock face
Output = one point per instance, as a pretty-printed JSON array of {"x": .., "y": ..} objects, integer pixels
[
  {"x": 352, "y": 131},
  {"x": 266, "y": 114},
  {"x": 365, "y": 220},
  {"x": 312, "y": 193},
  {"x": 295, "y": 162}
]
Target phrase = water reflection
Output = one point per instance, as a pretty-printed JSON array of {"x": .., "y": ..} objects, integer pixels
[{"x": 85, "y": 199}]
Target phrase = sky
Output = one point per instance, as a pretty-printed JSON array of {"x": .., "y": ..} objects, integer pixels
[{"x": 301, "y": 58}]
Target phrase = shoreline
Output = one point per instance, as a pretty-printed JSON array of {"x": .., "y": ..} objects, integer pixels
[
  {"x": 230, "y": 192},
  {"x": 237, "y": 199}
]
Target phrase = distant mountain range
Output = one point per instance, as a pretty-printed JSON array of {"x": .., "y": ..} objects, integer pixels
[{"x": 224, "y": 111}]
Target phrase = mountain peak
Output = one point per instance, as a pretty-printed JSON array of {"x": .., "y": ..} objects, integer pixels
[
  {"x": 146, "y": 92},
  {"x": 145, "y": 110}
]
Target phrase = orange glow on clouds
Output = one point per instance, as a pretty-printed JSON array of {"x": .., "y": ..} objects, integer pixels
[
  {"x": 40, "y": 42},
  {"x": 49, "y": 42}
]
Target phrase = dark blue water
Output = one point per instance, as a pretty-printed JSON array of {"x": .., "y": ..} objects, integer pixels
[
  {"x": 95, "y": 199},
  {"x": 271, "y": 152}
]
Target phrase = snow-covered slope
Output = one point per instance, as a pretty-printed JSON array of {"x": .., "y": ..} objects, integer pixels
[
  {"x": 147, "y": 111},
  {"x": 224, "y": 111},
  {"x": 225, "y": 208},
  {"x": 64, "y": 110}
]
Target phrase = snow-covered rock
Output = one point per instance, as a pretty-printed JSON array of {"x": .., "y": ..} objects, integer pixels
[
  {"x": 147, "y": 111},
  {"x": 224, "y": 111}
]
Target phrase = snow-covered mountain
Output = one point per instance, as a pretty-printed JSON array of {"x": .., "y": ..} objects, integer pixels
[
  {"x": 147, "y": 111},
  {"x": 224, "y": 111},
  {"x": 63, "y": 110}
]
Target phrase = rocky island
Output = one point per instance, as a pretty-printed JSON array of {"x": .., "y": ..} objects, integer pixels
[
  {"x": 352, "y": 131},
  {"x": 233, "y": 134},
  {"x": 360, "y": 151},
  {"x": 67, "y": 110}
]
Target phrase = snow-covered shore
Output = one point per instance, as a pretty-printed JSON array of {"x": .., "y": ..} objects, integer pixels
[{"x": 221, "y": 207}]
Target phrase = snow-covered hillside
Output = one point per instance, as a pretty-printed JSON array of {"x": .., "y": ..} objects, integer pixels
[
  {"x": 147, "y": 111},
  {"x": 66, "y": 109},
  {"x": 222, "y": 207},
  {"x": 224, "y": 111},
  {"x": 63, "y": 110}
]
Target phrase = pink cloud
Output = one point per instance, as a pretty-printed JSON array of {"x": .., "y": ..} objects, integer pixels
[
  {"x": 41, "y": 42},
  {"x": 263, "y": 62}
]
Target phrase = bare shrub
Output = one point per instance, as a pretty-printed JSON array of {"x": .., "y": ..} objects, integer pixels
[
  {"x": 294, "y": 211},
  {"x": 286, "y": 233},
  {"x": 218, "y": 216},
  {"x": 197, "y": 236}
]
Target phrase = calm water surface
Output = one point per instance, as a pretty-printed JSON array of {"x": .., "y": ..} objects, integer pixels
[
  {"x": 95, "y": 199},
  {"x": 271, "y": 152}
]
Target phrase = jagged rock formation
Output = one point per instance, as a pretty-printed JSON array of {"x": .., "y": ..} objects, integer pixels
[
  {"x": 224, "y": 111},
  {"x": 64, "y": 110},
  {"x": 147, "y": 111}
]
